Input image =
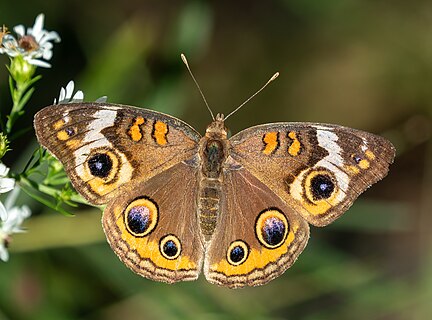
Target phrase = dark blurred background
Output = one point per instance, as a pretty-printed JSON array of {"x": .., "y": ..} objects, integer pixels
[{"x": 362, "y": 64}]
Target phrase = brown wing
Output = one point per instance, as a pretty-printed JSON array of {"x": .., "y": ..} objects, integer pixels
[
  {"x": 104, "y": 146},
  {"x": 317, "y": 169},
  {"x": 257, "y": 237},
  {"x": 153, "y": 226}
]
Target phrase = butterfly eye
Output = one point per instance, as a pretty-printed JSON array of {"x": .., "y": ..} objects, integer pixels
[
  {"x": 141, "y": 217},
  {"x": 237, "y": 252},
  {"x": 320, "y": 185},
  {"x": 170, "y": 247},
  {"x": 271, "y": 228}
]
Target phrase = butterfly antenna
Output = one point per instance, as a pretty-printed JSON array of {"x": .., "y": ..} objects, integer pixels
[
  {"x": 262, "y": 88},
  {"x": 183, "y": 57}
]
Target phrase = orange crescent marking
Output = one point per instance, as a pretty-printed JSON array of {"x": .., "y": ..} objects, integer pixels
[
  {"x": 160, "y": 133},
  {"x": 271, "y": 141},
  {"x": 295, "y": 146},
  {"x": 135, "y": 130}
]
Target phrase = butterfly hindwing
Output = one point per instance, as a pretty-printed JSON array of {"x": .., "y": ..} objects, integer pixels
[
  {"x": 257, "y": 236},
  {"x": 105, "y": 146},
  {"x": 317, "y": 169},
  {"x": 154, "y": 229}
]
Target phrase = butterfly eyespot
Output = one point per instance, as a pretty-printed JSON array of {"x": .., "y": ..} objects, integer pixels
[
  {"x": 141, "y": 217},
  {"x": 170, "y": 247},
  {"x": 271, "y": 228},
  {"x": 320, "y": 185},
  {"x": 65, "y": 134},
  {"x": 363, "y": 162},
  {"x": 356, "y": 158},
  {"x": 103, "y": 164},
  {"x": 237, "y": 253},
  {"x": 100, "y": 165}
]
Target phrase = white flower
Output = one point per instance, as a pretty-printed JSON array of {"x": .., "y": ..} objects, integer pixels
[
  {"x": 33, "y": 45},
  {"x": 66, "y": 95},
  {"x": 12, "y": 218},
  {"x": 6, "y": 184}
]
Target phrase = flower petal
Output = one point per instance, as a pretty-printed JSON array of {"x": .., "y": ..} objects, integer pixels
[
  {"x": 19, "y": 30},
  {"x": 3, "y": 212},
  {"x": 39, "y": 63},
  {"x": 37, "y": 27},
  {"x": 78, "y": 96},
  {"x": 16, "y": 216},
  {"x": 69, "y": 89},
  {"x": 6, "y": 184},
  {"x": 4, "y": 254},
  {"x": 102, "y": 99},
  {"x": 3, "y": 170}
]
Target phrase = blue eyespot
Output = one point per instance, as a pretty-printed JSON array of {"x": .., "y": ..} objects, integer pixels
[
  {"x": 273, "y": 231},
  {"x": 272, "y": 228},
  {"x": 138, "y": 219},
  {"x": 141, "y": 216}
]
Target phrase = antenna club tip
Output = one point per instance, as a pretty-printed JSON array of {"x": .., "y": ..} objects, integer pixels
[
  {"x": 275, "y": 76},
  {"x": 183, "y": 57}
]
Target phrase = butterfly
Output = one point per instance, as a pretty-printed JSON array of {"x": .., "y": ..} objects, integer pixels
[{"x": 238, "y": 208}]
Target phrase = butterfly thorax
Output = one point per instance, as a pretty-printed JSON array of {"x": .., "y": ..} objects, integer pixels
[{"x": 213, "y": 151}]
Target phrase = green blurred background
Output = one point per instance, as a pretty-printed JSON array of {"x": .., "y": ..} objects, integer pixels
[{"x": 363, "y": 64}]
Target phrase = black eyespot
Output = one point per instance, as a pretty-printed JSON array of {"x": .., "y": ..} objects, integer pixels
[
  {"x": 237, "y": 252},
  {"x": 138, "y": 219},
  {"x": 100, "y": 165},
  {"x": 170, "y": 247},
  {"x": 322, "y": 187}
]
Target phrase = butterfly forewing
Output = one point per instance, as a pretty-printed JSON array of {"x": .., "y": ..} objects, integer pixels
[{"x": 105, "y": 146}]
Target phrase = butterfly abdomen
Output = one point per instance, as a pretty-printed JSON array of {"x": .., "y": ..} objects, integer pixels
[
  {"x": 213, "y": 153},
  {"x": 209, "y": 205}
]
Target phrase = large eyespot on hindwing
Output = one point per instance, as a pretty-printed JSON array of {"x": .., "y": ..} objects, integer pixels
[
  {"x": 141, "y": 216},
  {"x": 271, "y": 228},
  {"x": 237, "y": 252},
  {"x": 170, "y": 247}
]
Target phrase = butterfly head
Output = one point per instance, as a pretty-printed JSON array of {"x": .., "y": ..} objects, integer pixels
[{"x": 217, "y": 128}]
